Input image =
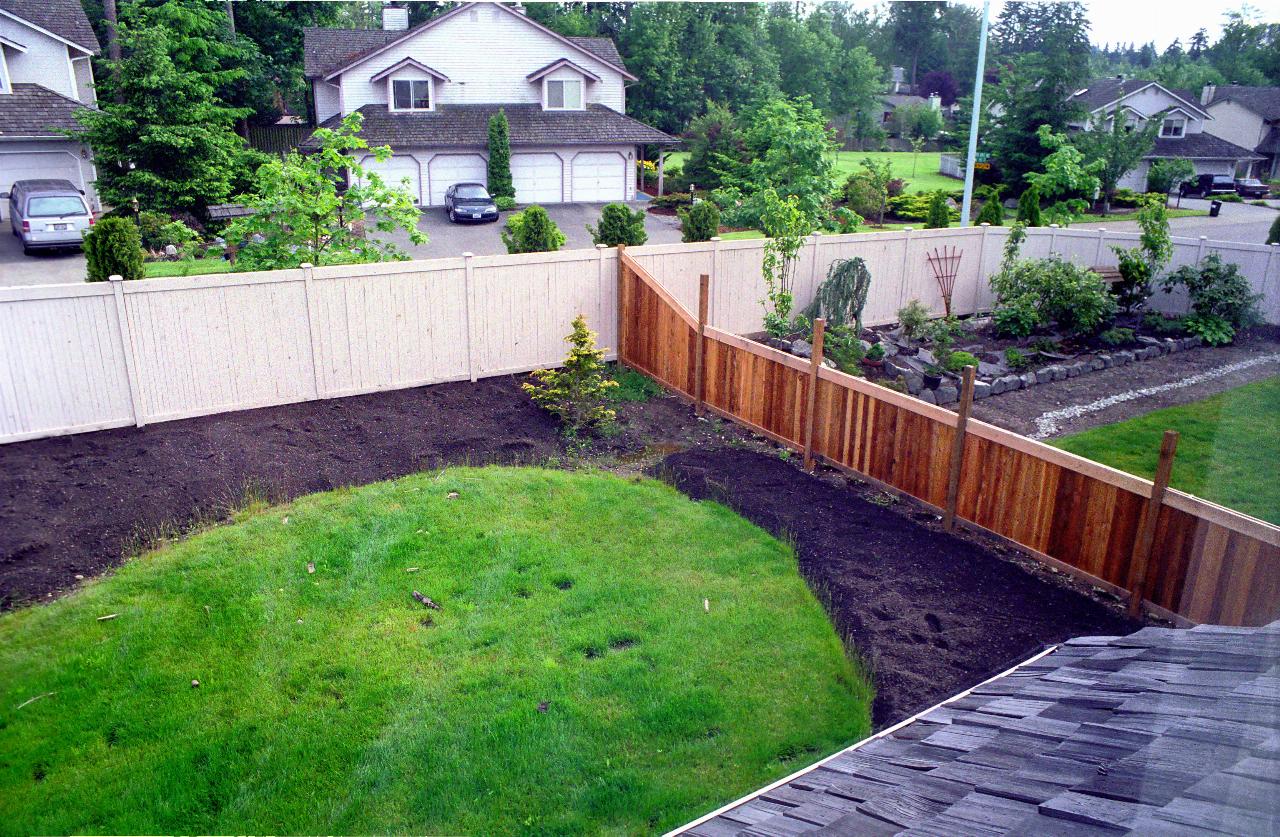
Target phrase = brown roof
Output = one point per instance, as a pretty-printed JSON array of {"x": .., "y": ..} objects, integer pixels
[
  {"x": 1200, "y": 147},
  {"x": 1264, "y": 101},
  {"x": 1104, "y": 91},
  {"x": 35, "y": 111},
  {"x": 468, "y": 126},
  {"x": 64, "y": 18}
]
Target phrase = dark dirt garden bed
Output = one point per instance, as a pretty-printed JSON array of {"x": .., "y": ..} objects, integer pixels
[{"x": 931, "y": 612}]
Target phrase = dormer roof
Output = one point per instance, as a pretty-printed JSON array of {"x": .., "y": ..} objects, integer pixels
[
  {"x": 63, "y": 19},
  {"x": 557, "y": 64},
  {"x": 408, "y": 62},
  {"x": 1102, "y": 93}
]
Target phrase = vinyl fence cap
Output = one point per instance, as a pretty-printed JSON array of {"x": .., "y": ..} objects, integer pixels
[{"x": 115, "y": 277}]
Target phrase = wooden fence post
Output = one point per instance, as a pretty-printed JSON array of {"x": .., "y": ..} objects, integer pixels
[
  {"x": 815, "y": 363},
  {"x": 621, "y": 301},
  {"x": 1147, "y": 528},
  {"x": 699, "y": 372},
  {"x": 127, "y": 349},
  {"x": 957, "y": 449}
]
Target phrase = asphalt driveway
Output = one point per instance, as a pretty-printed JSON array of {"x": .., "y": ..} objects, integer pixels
[
  {"x": 1239, "y": 222},
  {"x": 484, "y": 239},
  {"x": 48, "y": 267}
]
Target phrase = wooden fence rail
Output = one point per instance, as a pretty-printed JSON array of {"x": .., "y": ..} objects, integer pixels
[{"x": 1207, "y": 563}]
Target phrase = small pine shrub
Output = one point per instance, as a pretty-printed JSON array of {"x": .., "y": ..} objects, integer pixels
[
  {"x": 1029, "y": 207},
  {"x": 619, "y": 225},
  {"x": 959, "y": 360},
  {"x": 576, "y": 393},
  {"x": 1273, "y": 235},
  {"x": 1117, "y": 336},
  {"x": 992, "y": 212},
  {"x": 700, "y": 222},
  {"x": 913, "y": 317},
  {"x": 1015, "y": 359},
  {"x": 113, "y": 246},
  {"x": 939, "y": 216},
  {"x": 532, "y": 231},
  {"x": 1162, "y": 325}
]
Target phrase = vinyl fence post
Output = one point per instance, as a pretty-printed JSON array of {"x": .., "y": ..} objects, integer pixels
[
  {"x": 1200, "y": 249},
  {"x": 1097, "y": 255},
  {"x": 715, "y": 265},
  {"x": 621, "y": 303},
  {"x": 468, "y": 305},
  {"x": 600, "y": 284},
  {"x": 957, "y": 449},
  {"x": 815, "y": 363},
  {"x": 902, "y": 277},
  {"x": 307, "y": 276},
  {"x": 983, "y": 276},
  {"x": 1053, "y": 237},
  {"x": 1138, "y": 581},
  {"x": 127, "y": 349},
  {"x": 699, "y": 361},
  {"x": 813, "y": 267}
]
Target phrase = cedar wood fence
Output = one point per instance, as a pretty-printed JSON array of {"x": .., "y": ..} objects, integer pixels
[
  {"x": 1208, "y": 564},
  {"x": 84, "y": 357}
]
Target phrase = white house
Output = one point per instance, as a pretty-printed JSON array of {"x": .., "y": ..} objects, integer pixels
[
  {"x": 428, "y": 92},
  {"x": 45, "y": 76},
  {"x": 1184, "y": 130},
  {"x": 1249, "y": 117}
]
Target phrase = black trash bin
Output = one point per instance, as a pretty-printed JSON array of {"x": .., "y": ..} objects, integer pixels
[{"x": 1214, "y": 208}]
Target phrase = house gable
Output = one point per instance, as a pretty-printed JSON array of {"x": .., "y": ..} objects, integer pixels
[{"x": 34, "y": 55}]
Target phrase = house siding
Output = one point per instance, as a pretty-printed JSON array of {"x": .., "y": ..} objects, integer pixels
[
  {"x": 463, "y": 49},
  {"x": 328, "y": 100},
  {"x": 45, "y": 62},
  {"x": 1236, "y": 123}
]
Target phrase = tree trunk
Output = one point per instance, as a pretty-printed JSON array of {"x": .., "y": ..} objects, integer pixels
[
  {"x": 113, "y": 37},
  {"x": 231, "y": 18}
]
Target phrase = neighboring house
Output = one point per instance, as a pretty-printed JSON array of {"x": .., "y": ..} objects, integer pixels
[
  {"x": 428, "y": 92},
  {"x": 1183, "y": 126},
  {"x": 1249, "y": 117},
  {"x": 45, "y": 76}
]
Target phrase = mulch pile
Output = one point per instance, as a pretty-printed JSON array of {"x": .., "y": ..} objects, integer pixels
[{"x": 931, "y": 613}]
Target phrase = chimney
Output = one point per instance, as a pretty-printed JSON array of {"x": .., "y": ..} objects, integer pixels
[
  {"x": 395, "y": 18},
  {"x": 518, "y": 8},
  {"x": 1206, "y": 93}
]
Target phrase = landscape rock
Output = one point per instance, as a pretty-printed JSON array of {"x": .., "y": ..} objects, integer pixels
[
  {"x": 1045, "y": 375},
  {"x": 1072, "y": 370},
  {"x": 1146, "y": 341},
  {"x": 1028, "y": 379},
  {"x": 981, "y": 389},
  {"x": 1124, "y": 357},
  {"x": 991, "y": 370},
  {"x": 925, "y": 356},
  {"x": 779, "y": 344},
  {"x": 994, "y": 358},
  {"x": 1097, "y": 363},
  {"x": 1172, "y": 345},
  {"x": 928, "y": 396},
  {"x": 1011, "y": 382},
  {"x": 890, "y": 348},
  {"x": 826, "y": 361},
  {"x": 1194, "y": 340},
  {"x": 801, "y": 348},
  {"x": 170, "y": 250},
  {"x": 946, "y": 394},
  {"x": 915, "y": 383},
  {"x": 1106, "y": 362}
]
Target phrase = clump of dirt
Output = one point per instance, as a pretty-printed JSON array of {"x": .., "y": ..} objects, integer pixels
[{"x": 931, "y": 613}]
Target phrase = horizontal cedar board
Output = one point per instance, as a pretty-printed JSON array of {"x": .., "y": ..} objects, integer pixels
[{"x": 1209, "y": 564}]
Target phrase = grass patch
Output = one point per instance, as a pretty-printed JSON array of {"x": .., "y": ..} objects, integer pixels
[
  {"x": 1229, "y": 450},
  {"x": 186, "y": 267},
  {"x": 571, "y": 683},
  {"x": 632, "y": 385},
  {"x": 927, "y": 178}
]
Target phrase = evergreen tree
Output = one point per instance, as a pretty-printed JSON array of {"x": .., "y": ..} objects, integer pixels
[
  {"x": 939, "y": 215},
  {"x": 715, "y": 145},
  {"x": 992, "y": 212},
  {"x": 1029, "y": 207},
  {"x": 113, "y": 247},
  {"x": 619, "y": 225},
  {"x": 576, "y": 392},
  {"x": 500, "y": 184}
]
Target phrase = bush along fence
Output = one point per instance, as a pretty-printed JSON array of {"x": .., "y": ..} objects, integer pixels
[
  {"x": 84, "y": 357},
  {"x": 1187, "y": 558}
]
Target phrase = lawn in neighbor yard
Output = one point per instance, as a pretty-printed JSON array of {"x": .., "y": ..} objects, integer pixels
[
  {"x": 186, "y": 267},
  {"x": 1228, "y": 452},
  {"x": 608, "y": 657},
  {"x": 927, "y": 178}
]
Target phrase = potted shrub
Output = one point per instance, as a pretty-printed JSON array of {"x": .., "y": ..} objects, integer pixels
[
  {"x": 875, "y": 356},
  {"x": 932, "y": 376}
]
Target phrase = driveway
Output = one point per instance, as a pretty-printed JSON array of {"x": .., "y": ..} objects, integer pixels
[
  {"x": 1237, "y": 222},
  {"x": 448, "y": 239},
  {"x": 41, "y": 268}
]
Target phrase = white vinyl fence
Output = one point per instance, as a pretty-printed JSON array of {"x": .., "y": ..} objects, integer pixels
[{"x": 91, "y": 356}]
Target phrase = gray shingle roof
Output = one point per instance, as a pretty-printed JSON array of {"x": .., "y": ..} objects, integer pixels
[
  {"x": 1264, "y": 101},
  {"x": 603, "y": 48},
  {"x": 468, "y": 126},
  {"x": 1103, "y": 91},
  {"x": 35, "y": 111},
  {"x": 64, "y": 18},
  {"x": 1200, "y": 146},
  {"x": 1161, "y": 732}
]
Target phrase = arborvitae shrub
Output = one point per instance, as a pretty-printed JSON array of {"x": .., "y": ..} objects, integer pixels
[
  {"x": 113, "y": 246},
  {"x": 700, "y": 222},
  {"x": 619, "y": 225}
]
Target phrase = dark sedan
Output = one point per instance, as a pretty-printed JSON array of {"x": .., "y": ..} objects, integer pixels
[
  {"x": 469, "y": 202},
  {"x": 1251, "y": 187}
]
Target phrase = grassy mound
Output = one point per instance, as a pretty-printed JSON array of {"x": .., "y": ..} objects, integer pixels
[{"x": 572, "y": 681}]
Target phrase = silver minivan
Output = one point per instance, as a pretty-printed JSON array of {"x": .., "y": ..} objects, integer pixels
[{"x": 47, "y": 214}]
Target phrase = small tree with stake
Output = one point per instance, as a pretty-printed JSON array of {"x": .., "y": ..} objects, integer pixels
[{"x": 576, "y": 392}]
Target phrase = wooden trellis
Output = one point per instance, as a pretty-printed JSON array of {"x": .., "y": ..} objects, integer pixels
[{"x": 945, "y": 264}]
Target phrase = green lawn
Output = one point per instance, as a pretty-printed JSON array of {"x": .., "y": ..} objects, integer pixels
[
  {"x": 1229, "y": 450},
  {"x": 572, "y": 682},
  {"x": 926, "y": 177},
  {"x": 189, "y": 267}
]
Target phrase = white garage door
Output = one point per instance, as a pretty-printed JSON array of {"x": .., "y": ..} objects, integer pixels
[
  {"x": 394, "y": 171},
  {"x": 599, "y": 176},
  {"x": 448, "y": 169},
  {"x": 538, "y": 178},
  {"x": 37, "y": 165}
]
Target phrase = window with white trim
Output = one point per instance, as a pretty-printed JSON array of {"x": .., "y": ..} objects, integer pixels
[
  {"x": 411, "y": 94},
  {"x": 564, "y": 94},
  {"x": 1173, "y": 126}
]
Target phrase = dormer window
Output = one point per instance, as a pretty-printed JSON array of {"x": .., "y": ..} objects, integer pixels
[
  {"x": 1173, "y": 127},
  {"x": 411, "y": 94},
  {"x": 564, "y": 94}
]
